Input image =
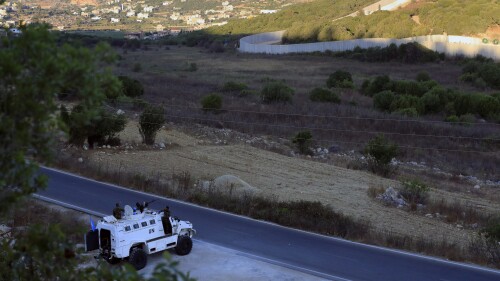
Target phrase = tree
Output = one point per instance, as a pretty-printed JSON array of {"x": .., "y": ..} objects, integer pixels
[
  {"x": 380, "y": 153},
  {"x": 33, "y": 71},
  {"x": 151, "y": 120}
]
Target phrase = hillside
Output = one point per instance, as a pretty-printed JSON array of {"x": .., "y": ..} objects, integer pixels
[
  {"x": 146, "y": 15},
  {"x": 316, "y": 11},
  {"x": 313, "y": 22}
]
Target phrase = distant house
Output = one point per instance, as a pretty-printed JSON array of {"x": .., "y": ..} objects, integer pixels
[
  {"x": 268, "y": 11},
  {"x": 142, "y": 15},
  {"x": 114, "y": 20},
  {"x": 14, "y": 32}
]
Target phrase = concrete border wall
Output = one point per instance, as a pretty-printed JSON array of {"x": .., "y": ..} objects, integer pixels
[{"x": 450, "y": 45}]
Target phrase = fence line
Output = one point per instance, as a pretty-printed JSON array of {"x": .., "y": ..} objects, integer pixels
[{"x": 266, "y": 43}]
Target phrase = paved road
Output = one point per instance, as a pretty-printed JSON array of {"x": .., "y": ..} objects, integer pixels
[{"x": 330, "y": 258}]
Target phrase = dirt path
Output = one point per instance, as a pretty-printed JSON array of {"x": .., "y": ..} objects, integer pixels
[{"x": 287, "y": 178}]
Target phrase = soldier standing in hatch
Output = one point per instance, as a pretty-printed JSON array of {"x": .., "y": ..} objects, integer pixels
[
  {"x": 166, "y": 212},
  {"x": 117, "y": 211},
  {"x": 165, "y": 220}
]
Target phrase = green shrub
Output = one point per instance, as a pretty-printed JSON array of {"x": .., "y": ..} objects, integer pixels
[
  {"x": 463, "y": 104},
  {"x": 234, "y": 86},
  {"x": 340, "y": 79},
  {"x": 482, "y": 73},
  {"x": 468, "y": 77},
  {"x": 248, "y": 92},
  {"x": 211, "y": 103},
  {"x": 102, "y": 129},
  {"x": 150, "y": 122},
  {"x": 131, "y": 87},
  {"x": 492, "y": 231},
  {"x": 379, "y": 84},
  {"x": 490, "y": 73},
  {"x": 414, "y": 192},
  {"x": 432, "y": 102},
  {"x": 380, "y": 152},
  {"x": 452, "y": 119},
  {"x": 407, "y": 101},
  {"x": 413, "y": 88},
  {"x": 276, "y": 91},
  {"x": 486, "y": 106},
  {"x": 323, "y": 95},
  {"x": 383, "y": 100},
  {"x": 423, "y": 76},
  {"x": 467, "y": 119},
  {"x": 408, "y": 112},
  {"x": 303, "y": 141}
]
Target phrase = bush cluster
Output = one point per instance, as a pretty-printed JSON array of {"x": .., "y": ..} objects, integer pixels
[
  {"x": 324, "y": 95},
  {"x": 414, "y": 98},
  {"x": 415, "y": 192},
  {"x": 232, "y": 86},
  {"x": 380, "y": 153},
  {"x": 101, "y": 131},
  {"x": 482, "y": 73},
  {"x": 340, "y": 79},
  {"x": 405, "y": 53}
]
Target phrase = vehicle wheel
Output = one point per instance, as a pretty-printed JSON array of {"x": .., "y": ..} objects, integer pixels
[
  {"x": 138, "y": 258},
  {"x": 184, "y": 245},
  {"x": 113, "y": 260}
]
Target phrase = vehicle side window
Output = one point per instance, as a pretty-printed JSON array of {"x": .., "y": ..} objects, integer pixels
[
  {"x": 127, "y": 228},
  {"x": 136, "y": 226},
  {"x": 144, "y": 224},
  {"x": 152, "y": 222}
]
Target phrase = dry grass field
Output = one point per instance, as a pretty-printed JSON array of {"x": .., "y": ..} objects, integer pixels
[
  {"x": 202, "y": 145},
  {"x": 467, "y": 150}
]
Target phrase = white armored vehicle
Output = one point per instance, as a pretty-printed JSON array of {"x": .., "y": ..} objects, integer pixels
[{"x": 138, "y": 234}]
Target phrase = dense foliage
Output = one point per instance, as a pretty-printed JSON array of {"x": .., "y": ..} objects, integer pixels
[
  {"x": 405, "y": 53},
  {"x": 314, "y": 21},
  {"x": 301, "y": 13},
  {"x": 101, "y": 130},
  {"x": 414, "y": 98}
]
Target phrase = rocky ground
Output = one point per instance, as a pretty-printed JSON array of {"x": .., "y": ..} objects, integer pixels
[{"x": 272, "y": 168}]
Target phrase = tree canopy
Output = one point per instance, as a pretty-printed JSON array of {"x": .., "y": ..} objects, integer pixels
[{"x": 35, "y": 71}]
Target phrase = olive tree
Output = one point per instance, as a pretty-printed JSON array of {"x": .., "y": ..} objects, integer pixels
[{"x": 150, "y": 122}]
